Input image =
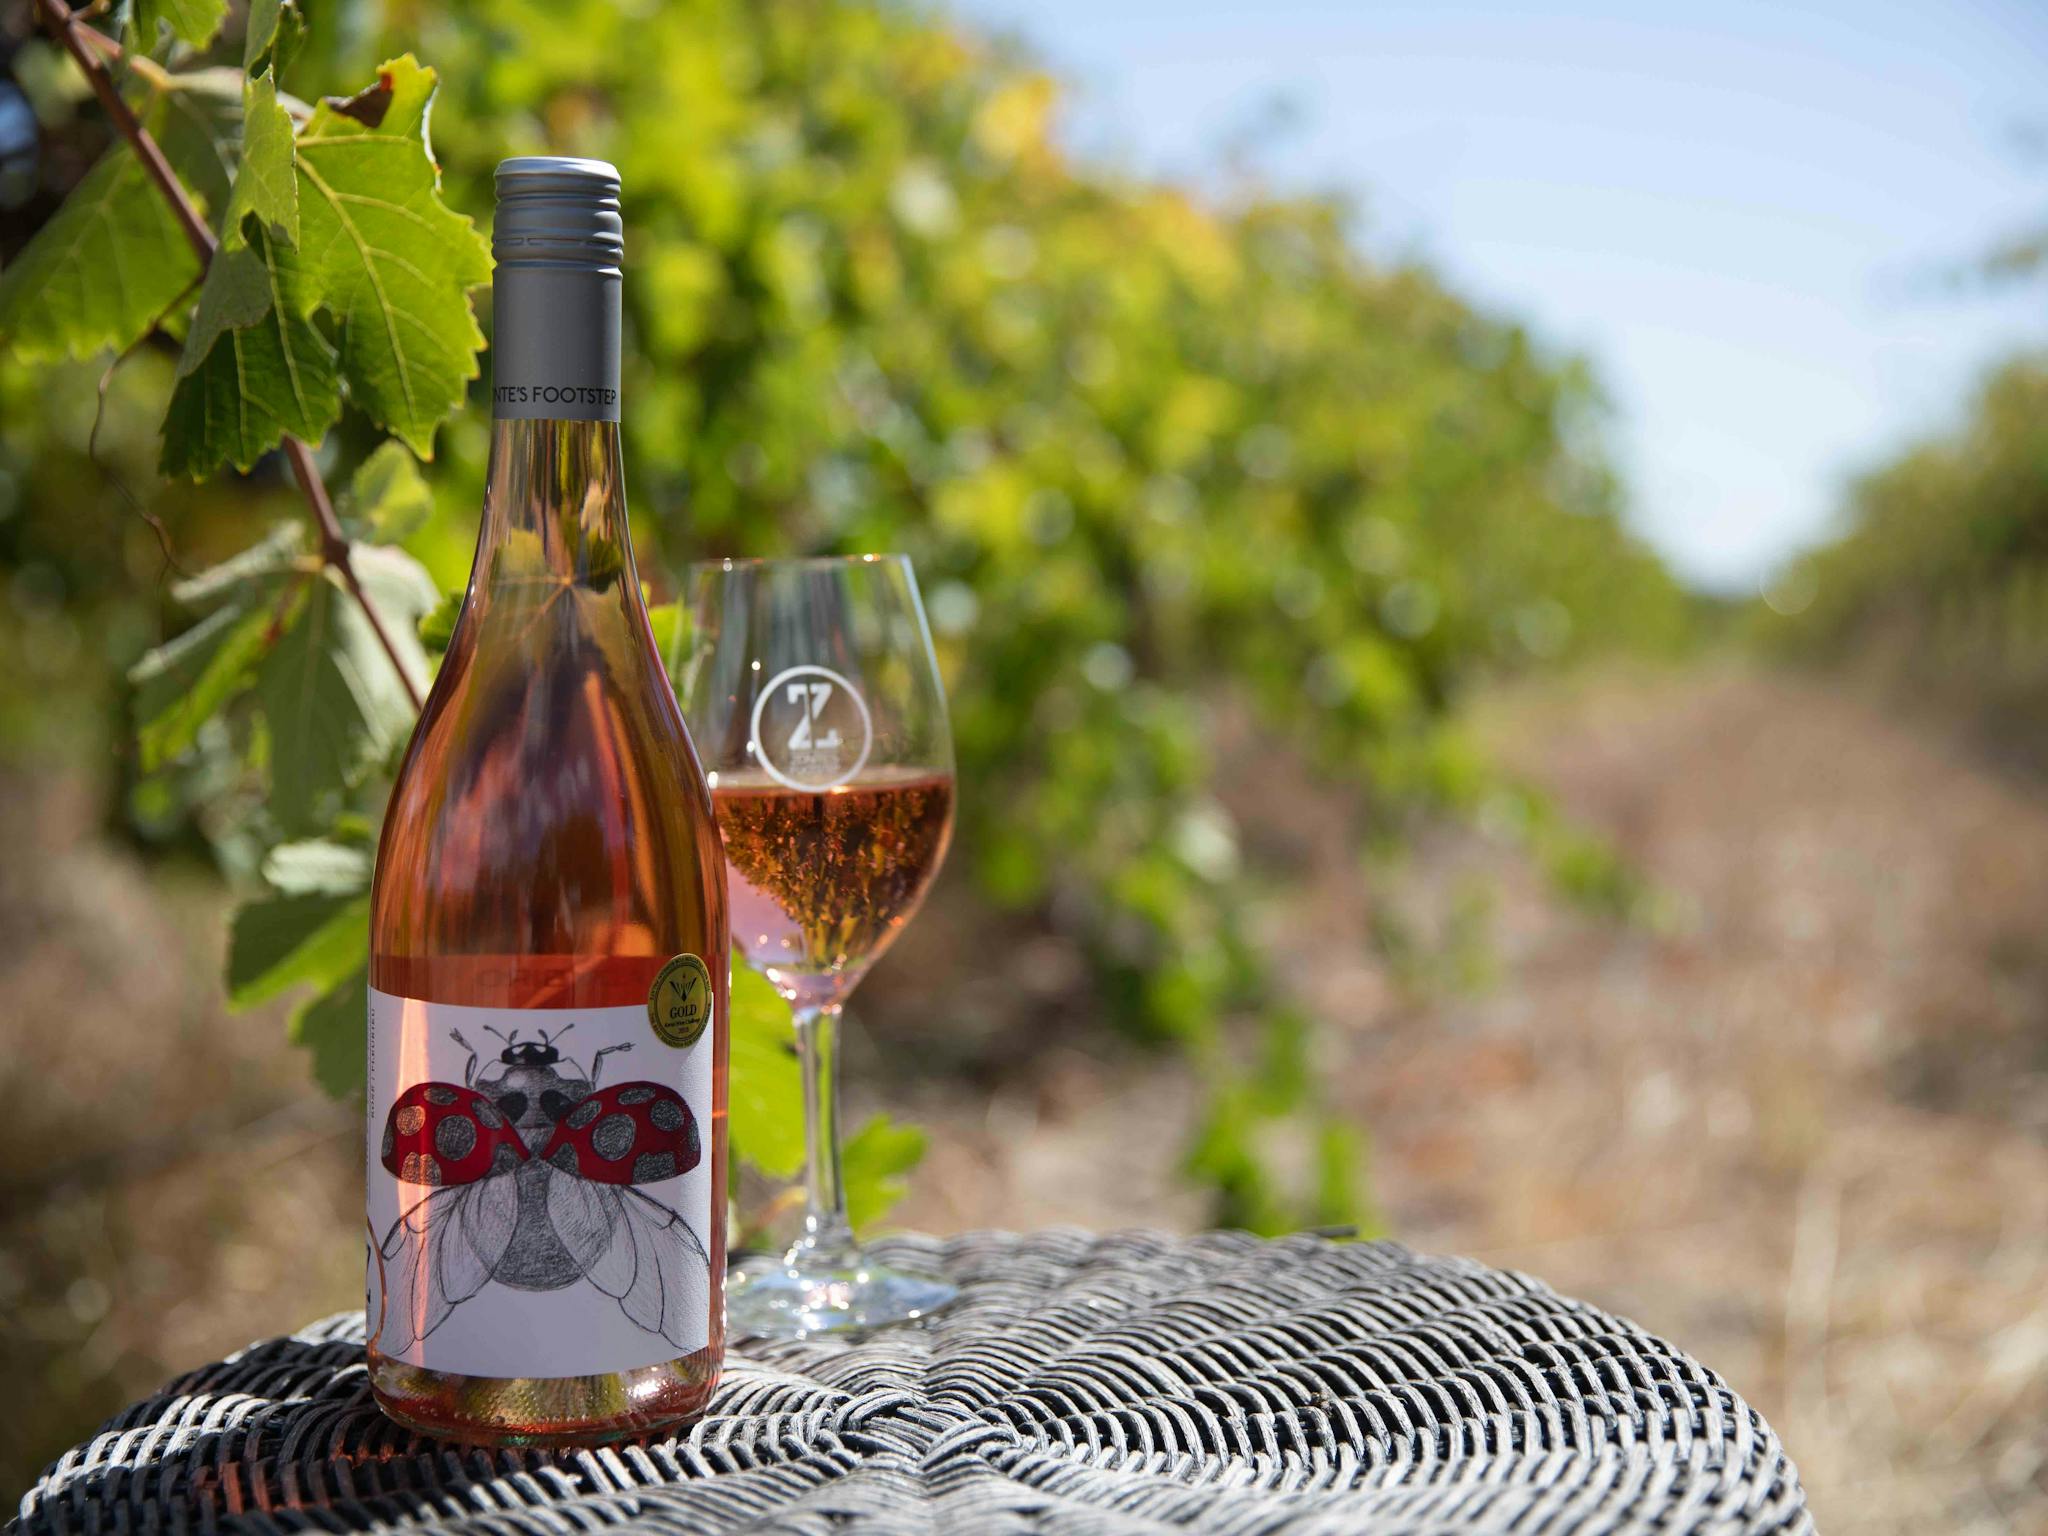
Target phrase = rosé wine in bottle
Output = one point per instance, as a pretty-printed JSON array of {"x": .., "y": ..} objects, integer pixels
[{"x": 547, "y": 1043}]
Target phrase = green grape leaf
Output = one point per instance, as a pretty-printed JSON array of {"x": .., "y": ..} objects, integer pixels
[
  {"x": 388, "y": 496},
  {"x": 307, "y": 687},
  {"x": 197, "y": 119},
  {"x": 387, "y": 257},
  {"x": 190, "y": 21},
  {"x": 335, "y": 1028},
  {"x": 271, "y": 41},
  {"x": 254, "y": 366},
  {"x": 437, "y": 627},
  {"x": 182, "y": 685},
  {"x": 280, "y": 942},
  {"x": 237, "y": 294},
  {"x": 99, "y": 273},
  {"x": 254, "y": 575},
  {"x": 328, "y": 692},
  {"x": 872, "y": 1165},
  {"x": 267, "y": 183},
  {"x": 674, "y": 633},
  {"x": 766, "y": 1088},
  {"x": 402, "y": 592},
  {"x": 1224, "y": 1155},
  {"x": 1340, "y": 1198},
  {"x": 319, "y": 867},
  {"x": 197, "y": 122},
  {"x": 1285, "y": 1072}
]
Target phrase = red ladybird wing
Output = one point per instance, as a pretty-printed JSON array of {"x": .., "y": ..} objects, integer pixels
[
  {"x": 438, "y": 1135},
  {"x": 629, "y": 1133}
]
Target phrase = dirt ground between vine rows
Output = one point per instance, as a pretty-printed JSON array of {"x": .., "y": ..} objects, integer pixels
[{"x": 1800, "y": 1125}]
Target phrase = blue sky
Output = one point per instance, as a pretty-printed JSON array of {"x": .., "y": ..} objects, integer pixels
[{"x": 1747, "y": 215}]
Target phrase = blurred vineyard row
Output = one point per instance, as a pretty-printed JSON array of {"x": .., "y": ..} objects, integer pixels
[
  {"x": 1939, "y": 579},
  {"x": 1158, "y": 454}
]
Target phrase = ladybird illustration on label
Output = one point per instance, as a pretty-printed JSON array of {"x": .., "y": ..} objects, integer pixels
[
  {"x": 679, "y": 1002},
  {"x": 528, "y": 1217}
]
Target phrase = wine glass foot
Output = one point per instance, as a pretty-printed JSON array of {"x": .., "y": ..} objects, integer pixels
[{"x": 792, "y": 1299}]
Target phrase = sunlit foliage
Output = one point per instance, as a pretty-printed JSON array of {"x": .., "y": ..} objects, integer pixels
[{"x": 1158, "y": 454}]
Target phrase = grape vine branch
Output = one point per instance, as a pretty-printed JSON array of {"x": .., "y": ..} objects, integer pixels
[{"x": 87, "y": 45}]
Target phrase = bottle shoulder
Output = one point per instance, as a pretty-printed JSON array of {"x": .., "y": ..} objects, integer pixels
[
  {"x": 549, "y": 802},
  {"x": 565, "y": 670}
]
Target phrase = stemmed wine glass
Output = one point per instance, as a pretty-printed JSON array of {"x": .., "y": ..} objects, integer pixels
[{"x": 816, "y": 706}]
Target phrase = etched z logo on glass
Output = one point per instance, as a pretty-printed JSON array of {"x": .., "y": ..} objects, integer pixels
[
  {"x": 811, "y": 728},
  {"x": 813, "y": 697}
]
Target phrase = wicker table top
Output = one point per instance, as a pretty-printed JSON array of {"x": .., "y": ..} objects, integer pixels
[{"x": 1127, "y": 1383}]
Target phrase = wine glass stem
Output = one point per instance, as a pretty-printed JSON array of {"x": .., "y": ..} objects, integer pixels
[{"x": 827, "y": 1236}]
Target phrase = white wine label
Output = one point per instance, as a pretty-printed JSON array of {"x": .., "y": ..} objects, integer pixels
[{"x": 536, "y": 1206}]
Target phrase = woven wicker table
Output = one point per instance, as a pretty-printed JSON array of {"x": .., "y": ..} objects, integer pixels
[{"x": 1129, "y": 1383}]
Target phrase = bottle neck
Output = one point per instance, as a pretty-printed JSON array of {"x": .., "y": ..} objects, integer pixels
[
  {"x": 555, "y": 500},
  {"x": 555, "y": 508}
]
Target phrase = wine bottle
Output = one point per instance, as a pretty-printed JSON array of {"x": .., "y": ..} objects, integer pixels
[{"x": 548, "y": 931}]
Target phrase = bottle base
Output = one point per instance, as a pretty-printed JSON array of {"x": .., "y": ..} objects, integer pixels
[{"x": 544, "y": 1410}]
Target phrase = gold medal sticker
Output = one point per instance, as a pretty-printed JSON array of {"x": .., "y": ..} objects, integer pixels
[{"x": 679, "y": 1003}]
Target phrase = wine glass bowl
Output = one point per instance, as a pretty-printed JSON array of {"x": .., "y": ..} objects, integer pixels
[
  {"x": 822, "y": 881},
  {"x": 815, "y": 702}
]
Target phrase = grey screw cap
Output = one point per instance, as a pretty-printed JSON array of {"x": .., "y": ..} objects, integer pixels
[
  {"x": 559, "y": 244},
  {"x": 557, "y": 211}
]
